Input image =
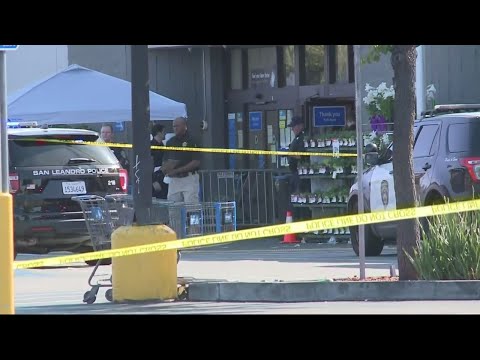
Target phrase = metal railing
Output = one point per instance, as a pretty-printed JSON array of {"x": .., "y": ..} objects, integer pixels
[{"x": 253, "y": 190}]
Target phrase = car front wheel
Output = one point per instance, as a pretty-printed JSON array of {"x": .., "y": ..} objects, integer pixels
[{"x": 373, "y": 244}]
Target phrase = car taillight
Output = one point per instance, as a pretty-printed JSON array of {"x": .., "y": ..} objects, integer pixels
[
  {"x": 14, "y": 183},
  {"x": 473, "y": 166},
  {"x": 123, "y": 179}
]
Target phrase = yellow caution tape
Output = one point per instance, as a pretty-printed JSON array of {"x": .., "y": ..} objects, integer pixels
[
  {"x": 262, "y": 232},
  {"x": 207, "y": 150}
]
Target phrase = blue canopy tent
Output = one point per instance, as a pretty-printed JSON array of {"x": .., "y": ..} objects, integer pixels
[{"x": 78, "y": 95}]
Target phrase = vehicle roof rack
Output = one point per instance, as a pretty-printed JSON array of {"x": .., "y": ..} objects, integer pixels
[{"x": 450, "y": 109}]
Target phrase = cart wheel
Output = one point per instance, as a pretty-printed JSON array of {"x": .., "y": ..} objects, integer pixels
[
  {"x": 182, "y": 292},
  {"x": 109, "y": 295},
  {"x": 89, "y": 298}
]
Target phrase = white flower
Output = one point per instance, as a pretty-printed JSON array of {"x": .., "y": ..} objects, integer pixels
[
  {"x": 376, "y": 97},
  {"x": 382, "y": 87},
  {"x": 373, "y": 135},
  {"x": 389, "y": 92},
  {"x": 385, "y": 139},
  {"x": 370, "y": 98},
  {"x": 431, "y": 91}
]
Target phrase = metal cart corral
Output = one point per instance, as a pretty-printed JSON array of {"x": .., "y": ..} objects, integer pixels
[
  {"x": 205, "y": 218},
  {"x": 101, "y": 221}
]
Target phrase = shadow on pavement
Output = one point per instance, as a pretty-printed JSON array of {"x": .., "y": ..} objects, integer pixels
[
  {"x": 170, "y": 308},
  {"x": 298, "y": 254}
]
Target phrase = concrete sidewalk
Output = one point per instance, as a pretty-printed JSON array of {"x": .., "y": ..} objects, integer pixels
[
  {"x": 269, "y": 260},
  {"x": 275, "y": 272}
]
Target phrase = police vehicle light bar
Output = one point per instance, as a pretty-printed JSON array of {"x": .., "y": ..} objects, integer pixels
[
  {"x": 451, "y": 108},
  {"x": 22, "y": 125}
]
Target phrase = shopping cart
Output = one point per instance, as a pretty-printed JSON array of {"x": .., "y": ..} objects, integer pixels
[
  {"x": 121, "y": 206},
  {"x": 101, "y": 221}
]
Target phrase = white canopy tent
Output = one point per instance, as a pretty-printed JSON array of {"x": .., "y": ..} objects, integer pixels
[{"x": 78, "y": 95}]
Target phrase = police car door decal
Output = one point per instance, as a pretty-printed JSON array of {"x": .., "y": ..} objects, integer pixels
[{"x": 382, "y": 191}]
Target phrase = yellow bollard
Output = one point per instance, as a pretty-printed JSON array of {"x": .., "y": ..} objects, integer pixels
[
  {"x": 7, "y": 303},
  {"x": 151, "y": 276}
]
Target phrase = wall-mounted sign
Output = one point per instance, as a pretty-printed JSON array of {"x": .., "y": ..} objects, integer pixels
[
  {"x": 119, "y": 126},
  {"x": 329, "y": 116},
  {"x": 255, "y": 121},
  {"x": 260, "y": 75}
]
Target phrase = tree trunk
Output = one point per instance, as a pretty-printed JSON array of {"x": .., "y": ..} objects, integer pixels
[{"x": 408, "y": 231}]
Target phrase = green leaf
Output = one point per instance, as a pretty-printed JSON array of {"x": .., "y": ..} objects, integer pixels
[{"x": 376, "y": 52}]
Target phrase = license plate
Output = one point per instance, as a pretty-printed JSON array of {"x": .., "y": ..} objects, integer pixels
[{"x": 74, "y": 188}]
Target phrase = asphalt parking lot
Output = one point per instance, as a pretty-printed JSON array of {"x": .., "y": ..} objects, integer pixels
[{"x": 254, "y": 261}]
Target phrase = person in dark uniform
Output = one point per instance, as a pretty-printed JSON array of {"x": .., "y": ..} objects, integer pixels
[
  {"x": 106, "y": 135},
  {"x": 297, "y": 124},
  {"x": 182, "y": 166},
  {"x": 160, "y": 188},
  {"x": 297, "y": 144}
]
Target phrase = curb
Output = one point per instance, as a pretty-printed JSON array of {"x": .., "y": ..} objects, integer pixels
[{"x": 315, "y": 291}]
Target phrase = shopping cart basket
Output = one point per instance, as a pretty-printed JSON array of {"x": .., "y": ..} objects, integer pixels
[
  {"x": 121, "y": 209},
  {"x": 100, "y": 222},
  {"x": 121, "y": 206}
]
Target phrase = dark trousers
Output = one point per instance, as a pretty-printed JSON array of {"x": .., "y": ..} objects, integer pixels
[
  {"x": 162, "y": 194},
  {"x": 295, "y": 187},
  {"x": 294, "y": 183}
]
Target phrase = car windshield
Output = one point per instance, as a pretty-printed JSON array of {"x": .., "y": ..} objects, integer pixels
[{"x": 37, "y": 152}]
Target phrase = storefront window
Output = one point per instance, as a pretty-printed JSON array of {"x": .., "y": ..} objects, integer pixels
[
  {"x": 289, "y": 64},
  {"x": 314, "y": 64},
  {"x": 236, "y": 69},
  {"x": 341, "y": 62},
  {"x": 262, "y": 67}
]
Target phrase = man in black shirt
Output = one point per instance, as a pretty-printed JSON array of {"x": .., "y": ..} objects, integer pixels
[
  {"x": 182, "y": 166},
  {"x": 297, "y": 144}
]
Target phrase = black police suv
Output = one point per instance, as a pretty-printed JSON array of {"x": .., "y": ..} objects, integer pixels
[
  {"x": 44, "y": 176},
  {"x": 446, "y": 161}
]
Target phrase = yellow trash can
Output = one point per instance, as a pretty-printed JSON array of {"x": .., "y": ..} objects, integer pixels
[{"x": 150, "y": 276}]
